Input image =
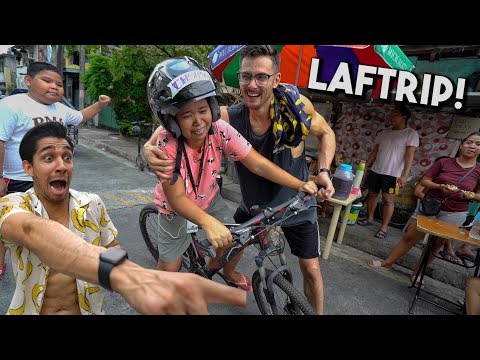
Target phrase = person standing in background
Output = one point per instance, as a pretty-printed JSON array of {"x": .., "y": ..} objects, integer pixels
[{"x": 389, "y": 163}]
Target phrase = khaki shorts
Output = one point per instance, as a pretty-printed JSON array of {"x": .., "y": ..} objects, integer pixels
[{"x": 173, "y": 237}]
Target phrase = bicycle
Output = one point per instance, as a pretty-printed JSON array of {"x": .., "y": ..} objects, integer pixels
[
  {"x": 274, "y": 291},
  {"x": 140, "y": 161},
  {"x": 72, "y": 132}
]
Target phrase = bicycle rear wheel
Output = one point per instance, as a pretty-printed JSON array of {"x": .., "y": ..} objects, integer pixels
[
  {"x": 289, "y": 300},
  {"x": 148, "y": 220}
]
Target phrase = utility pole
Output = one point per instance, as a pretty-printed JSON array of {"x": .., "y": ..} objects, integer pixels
[
  {"x": 60, "y": 59},
  {"x": 81, "y": 87}
]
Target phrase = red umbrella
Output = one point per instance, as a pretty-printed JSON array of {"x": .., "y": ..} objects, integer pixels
[{"x": 296, "y": 59}]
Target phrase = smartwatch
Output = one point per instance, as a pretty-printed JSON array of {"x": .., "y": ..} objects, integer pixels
[
  {"x": 327, "y": 171},
  {"x": 108, "y": 259}
]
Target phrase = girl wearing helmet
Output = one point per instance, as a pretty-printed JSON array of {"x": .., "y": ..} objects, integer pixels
[{"x": 182, "y": 95}]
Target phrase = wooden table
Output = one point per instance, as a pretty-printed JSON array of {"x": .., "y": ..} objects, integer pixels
[
  {"x": 438, "y": 228},
  {"x": 337, "y": 207}
]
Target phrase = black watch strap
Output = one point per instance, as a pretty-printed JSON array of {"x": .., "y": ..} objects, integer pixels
[
  {"x": 108, "y": 259},
  {"x": 326, "y": 170},
  {"x": 104, "y": 269}
]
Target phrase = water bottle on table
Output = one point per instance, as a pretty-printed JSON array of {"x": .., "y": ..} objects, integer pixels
[{"x": 342, "y": 181}]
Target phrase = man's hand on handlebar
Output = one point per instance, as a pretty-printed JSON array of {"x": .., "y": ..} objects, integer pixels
[
  {"x": 309, "y": 187},
  {"x": 325, "y": 185}
]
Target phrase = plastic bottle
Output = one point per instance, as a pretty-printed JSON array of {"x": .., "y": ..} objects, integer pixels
[
  {"x": 358, "y": 178},
  {"x": 342, "y": 181},
  {"x": 475, "y": 230}
]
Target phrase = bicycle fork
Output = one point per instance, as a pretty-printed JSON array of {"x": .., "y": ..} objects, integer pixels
[{"x": 267, "y": 282}]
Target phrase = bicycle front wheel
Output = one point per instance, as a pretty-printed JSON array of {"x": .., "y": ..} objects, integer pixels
[
  {"x": 149, "y": 226},
  {"x": 289, "y": 300}
]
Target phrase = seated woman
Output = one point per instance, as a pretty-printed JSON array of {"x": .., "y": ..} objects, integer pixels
[{"x": 437, "y": 180}]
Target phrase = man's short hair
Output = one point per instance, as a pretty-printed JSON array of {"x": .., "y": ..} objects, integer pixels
[
  {"x": 255, "y": 51},
  {"x": 28, "y": 145},
  {"x": 404, "y": 111}
]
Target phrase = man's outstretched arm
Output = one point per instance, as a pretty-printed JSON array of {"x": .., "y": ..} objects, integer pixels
[{"x": 148, "y": 291}]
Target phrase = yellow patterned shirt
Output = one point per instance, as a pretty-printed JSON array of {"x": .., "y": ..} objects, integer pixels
[{"x": 88, "y": 219}]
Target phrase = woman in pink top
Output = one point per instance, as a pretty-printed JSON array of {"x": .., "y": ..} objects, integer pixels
[{"x": 182, "y": 96}]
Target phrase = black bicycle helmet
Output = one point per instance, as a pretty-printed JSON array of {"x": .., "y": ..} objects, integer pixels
[{"x": 173, "y": 83}]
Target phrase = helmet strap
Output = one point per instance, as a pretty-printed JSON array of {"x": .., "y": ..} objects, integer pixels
[{"x": 172, "y": 126}]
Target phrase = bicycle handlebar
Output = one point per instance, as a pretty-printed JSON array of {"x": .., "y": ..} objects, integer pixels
[{"x": 295, "y": 203}]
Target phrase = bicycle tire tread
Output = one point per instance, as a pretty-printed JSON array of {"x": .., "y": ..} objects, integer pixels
[{"x": 297, "y": 297}]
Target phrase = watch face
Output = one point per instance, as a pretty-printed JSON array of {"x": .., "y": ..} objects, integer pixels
[{"x": 113, "y": 255}]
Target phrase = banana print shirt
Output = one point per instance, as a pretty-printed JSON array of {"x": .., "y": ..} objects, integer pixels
[{"x": 88, "y": 219}]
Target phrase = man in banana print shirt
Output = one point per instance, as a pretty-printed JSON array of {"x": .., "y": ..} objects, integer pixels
[
  {"x": 56, "y": 236},
  {"x": 83, "y": 213}
]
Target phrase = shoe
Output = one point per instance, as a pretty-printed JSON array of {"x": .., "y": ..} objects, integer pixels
[
  {"x": 376, "y": 264},
  {"x": 364, "y": 222},
  {"x": 381, "y": 234},
  {"x": 245, "y": 284},
  {"x": 445, "y": 255},
  {"x": 2, "y": 270}
]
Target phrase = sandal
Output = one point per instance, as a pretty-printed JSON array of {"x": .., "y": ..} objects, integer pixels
[
  {"x": 468, "y": 260},
  {"x": 381, "y": 234},
  {"x": 445, "y": 255},
  {"x": 364, "y": 222},
  {"x": 376, "y": 264},
  {"x": 245, "y": 284}
]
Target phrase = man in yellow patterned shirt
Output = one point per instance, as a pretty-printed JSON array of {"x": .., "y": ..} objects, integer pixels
[{"x": 56, "y": 236}]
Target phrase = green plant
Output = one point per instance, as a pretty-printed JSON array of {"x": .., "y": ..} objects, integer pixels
[{"x": 124, "y": 74}]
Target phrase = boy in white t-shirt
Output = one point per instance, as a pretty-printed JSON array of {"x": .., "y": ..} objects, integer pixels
[{"x": 21, "y": 112}]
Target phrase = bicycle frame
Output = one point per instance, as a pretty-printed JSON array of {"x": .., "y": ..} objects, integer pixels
[{"x": 254, "y": 231}]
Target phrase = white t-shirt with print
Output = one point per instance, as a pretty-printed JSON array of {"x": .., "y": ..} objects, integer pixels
[{"x": 18, "y": 114}]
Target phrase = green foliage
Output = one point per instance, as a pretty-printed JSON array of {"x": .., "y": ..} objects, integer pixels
[
  {"x": 124, "y": 74},
  {"x": 89, "y": 49}
]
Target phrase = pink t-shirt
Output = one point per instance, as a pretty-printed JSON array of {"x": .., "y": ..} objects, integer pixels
[
  {"x": 447, "y": 171},
  {"x": 226, "y": 140}
]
